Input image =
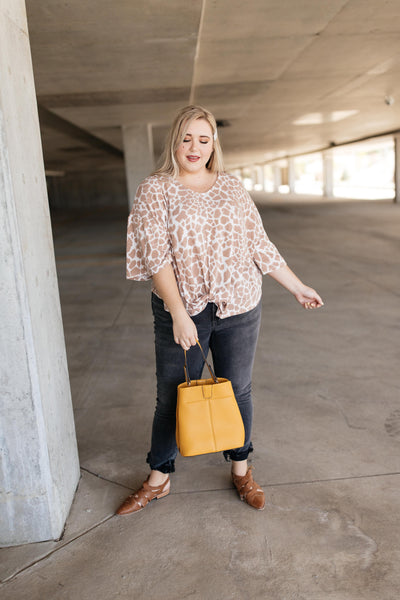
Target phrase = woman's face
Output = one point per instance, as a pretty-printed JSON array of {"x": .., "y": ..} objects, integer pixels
[{"x": 194, "y": 152}]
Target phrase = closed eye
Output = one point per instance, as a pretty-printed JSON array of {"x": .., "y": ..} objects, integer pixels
[{"x": 202, "y": 141}]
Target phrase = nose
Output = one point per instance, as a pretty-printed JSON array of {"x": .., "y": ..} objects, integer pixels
[{"x": 193, "y": 144}]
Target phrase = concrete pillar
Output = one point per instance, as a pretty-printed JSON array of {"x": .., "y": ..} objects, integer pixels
[
  {"x": 327, "y": 167},
  {"x": 291, "y": 176},
  {"x": 268, "y": 181},
  {"x": 139, "y": 158},
  {"x": 277, "y": 173},
  {"x": 257, "y": 173},
  {"x": 397, "y": 168},
  {"x": 39, "y": 459},
  {"x": 247, "y": 178}
]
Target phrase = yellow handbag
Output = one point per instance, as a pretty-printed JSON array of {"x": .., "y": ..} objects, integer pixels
[{"x": 208, "y": 418}]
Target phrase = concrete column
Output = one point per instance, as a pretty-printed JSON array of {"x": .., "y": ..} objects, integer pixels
[
  {"x": 139, "y": 158},
  {"x": 257, "y": 174},
  {"x": 39, "y": 459},
  {"x": 291, "y": 176},
  {"x": 327, "y": 168},
  {"x": 277, "y": 173},
  {"x": 268, "y": 183},
  {"x": 397, "y": 168}
]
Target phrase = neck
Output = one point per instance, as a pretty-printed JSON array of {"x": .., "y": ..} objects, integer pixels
[
  {"x": 200, "y": 182},
  {"x": 194, "y": 178}
]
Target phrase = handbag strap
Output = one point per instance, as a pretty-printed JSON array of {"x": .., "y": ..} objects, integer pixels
[{"x": 187, "y": 376}]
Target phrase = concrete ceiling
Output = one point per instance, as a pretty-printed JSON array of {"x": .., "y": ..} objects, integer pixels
[{"x": 290, "y": 76}]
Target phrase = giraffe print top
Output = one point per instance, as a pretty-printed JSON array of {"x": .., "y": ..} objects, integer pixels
[{"x": 214, "y": 240}]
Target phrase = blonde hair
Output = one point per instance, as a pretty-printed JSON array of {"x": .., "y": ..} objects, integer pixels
[{"x": 176, "y": 135}]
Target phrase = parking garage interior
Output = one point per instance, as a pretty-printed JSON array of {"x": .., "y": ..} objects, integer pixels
[{"x": 303, "y": 92}]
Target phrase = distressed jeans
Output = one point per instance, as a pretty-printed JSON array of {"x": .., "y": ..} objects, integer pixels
[{"x": 232, "y": 342}]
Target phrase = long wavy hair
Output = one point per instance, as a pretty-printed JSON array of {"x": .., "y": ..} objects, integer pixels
[{"x": 176, "y": 135}]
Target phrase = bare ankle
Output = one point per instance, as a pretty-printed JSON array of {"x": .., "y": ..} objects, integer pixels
[
  {"x": 239, "y": 467},
  {"x": 157, "y": 478}
]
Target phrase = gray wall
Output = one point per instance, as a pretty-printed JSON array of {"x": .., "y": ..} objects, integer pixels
[{"x": 88, "y": 189}]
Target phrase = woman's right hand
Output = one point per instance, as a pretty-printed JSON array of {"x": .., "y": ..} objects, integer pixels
[{"x": 185, "y": 332}]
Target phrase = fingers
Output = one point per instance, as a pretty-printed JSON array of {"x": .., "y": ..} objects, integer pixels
[
  {"x": 312, "y": 299},
  {"x": 313, "y": 304},
  {"x": 186, "y": 345},
  {"x": 318, "y": 300},
  {"x": 186, "y": 341},
  {"x": 185, "y": 332}
]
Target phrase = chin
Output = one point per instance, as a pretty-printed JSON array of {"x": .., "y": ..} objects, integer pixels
[{"x": 191, "y": 168}]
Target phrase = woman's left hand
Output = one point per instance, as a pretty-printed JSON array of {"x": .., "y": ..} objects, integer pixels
[{"x": 308, "y": 298}]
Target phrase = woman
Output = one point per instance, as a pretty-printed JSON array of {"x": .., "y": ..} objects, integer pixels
[{"x": 195, "y": 231}]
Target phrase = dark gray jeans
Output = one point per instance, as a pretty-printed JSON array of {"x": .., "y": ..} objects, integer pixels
[{"x": 232, "y": 342}]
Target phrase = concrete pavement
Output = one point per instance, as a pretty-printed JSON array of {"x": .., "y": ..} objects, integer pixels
[{"x": 326, "y": 431}]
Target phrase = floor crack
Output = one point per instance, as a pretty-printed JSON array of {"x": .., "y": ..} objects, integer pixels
[
  {"x": 60, "y": 547},
  {"x": 105, "y": 478}
]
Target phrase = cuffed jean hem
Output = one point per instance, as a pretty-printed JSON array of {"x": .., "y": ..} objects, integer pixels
[
  {"x": 235, "y": 455},
  {"x": 167, "y": 467}
]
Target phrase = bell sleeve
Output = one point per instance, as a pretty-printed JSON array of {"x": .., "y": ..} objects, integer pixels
[
  {"x": 148, "y": 247},
  {"x": 263, "y": 252}
]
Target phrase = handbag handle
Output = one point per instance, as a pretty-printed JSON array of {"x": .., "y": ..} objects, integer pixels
[{"x": 185, "y": 367}]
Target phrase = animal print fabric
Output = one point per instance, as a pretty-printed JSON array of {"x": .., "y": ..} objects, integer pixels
[{"x": 214, "y": 240}]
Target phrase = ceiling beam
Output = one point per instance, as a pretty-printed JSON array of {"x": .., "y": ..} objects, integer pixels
[{"x": 53, "y": 121}]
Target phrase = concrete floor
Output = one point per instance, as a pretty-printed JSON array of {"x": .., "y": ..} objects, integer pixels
[{"x": 326, "y": 433}]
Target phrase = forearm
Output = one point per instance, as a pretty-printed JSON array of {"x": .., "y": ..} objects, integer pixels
[
  {"x": 184, "y": 329},
  {"x": 167, "y": 288},
  {"x": 287, "y": 279},
  {"x": 305, "y": 295}
]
